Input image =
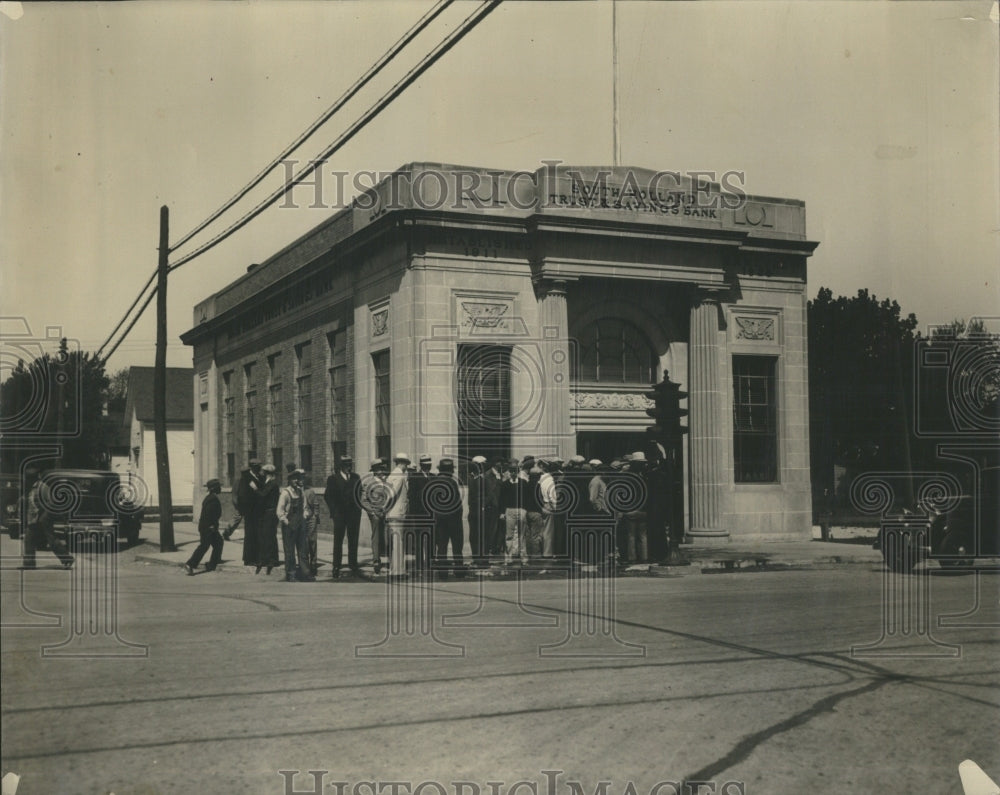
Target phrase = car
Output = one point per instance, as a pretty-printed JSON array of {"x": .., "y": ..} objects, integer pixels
[
  {"x": 89, "y": 503},
  {"x": 10, "y": 504},
  {"x": 965, "y": 534}
]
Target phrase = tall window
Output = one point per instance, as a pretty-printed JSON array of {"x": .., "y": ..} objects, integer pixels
[
  {"x": 229, "y": 418},
  {"x": 483, "y": 390},
  {"x": 274, "y": 416},
  {"x": 614, "y": 351},
  {"x": 250, "y": 403},
  {"x": 755, "y": 415},
  {"x": 338, "y": 391},
  {"x": 275, "y": 428},
  {"x": 304, "y": 387},
  {"x": 303, "y": 402},
  {"x": 383, "y": 425}
]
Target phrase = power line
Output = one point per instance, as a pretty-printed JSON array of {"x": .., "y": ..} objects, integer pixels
[
  {"x": 135, "y": 320},
  {"x": 127, "y": 311},
  {"x": 391, "y": 53},
  {"x": 446, "y": 44}
]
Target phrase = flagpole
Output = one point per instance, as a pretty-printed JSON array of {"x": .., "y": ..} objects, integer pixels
[{"x": 616, "y": 143}]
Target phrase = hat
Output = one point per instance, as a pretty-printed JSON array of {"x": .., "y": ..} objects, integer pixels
[
  {"x": 402, "y": 457},
  {"x": 425, "y": 459},
  {"x": 639, "y": 456},
  {"x": 596, "y": 462},
  {"x": 617, "y": 464},
  {"x": 446, "y": 463},
  {"x": 378, "y": 462},
  {"x": 346, "y": 459},
  {"x": 213, "y": 483},
  {"x": 268, "y": 468},
  {"x": 479, "y": 459},
  {"x": 290, "y": 468},
  {"x": 528, "y": 461},
  {"x": 577, "y": 459},
  {"x": 254, "y": 462}
]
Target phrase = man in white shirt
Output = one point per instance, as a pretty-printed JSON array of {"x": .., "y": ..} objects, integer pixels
[
  {"x": 396, "y": 515},
  {"x": 549, "y": 499}
]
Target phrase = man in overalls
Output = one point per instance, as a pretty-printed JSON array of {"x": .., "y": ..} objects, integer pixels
[{"x": 291, "y": 516}]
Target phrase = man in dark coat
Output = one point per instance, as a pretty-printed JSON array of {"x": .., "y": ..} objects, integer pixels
[
  {"x": 208, "y": 530},
  {"x": 448, "y": 515},
  {"x": 343, "y": 494}
]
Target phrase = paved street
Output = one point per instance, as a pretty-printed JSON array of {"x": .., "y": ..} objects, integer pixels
[{"x": 744, "y": 679}]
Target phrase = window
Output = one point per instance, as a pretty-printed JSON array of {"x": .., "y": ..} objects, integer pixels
[
  {"x": 305, "y": 457},
  {"x": 251, "y": 424},
  {"x": 614, "y": 352},
  {"x": 274, "y": 411},
  {"x": 250, "y": 409},
  {"x": 304, "y": 409},
  {"x": 303, "y": 356},
  {"x": 755, "y": 426},
  {"x": 383, "y": 425},
  {"x": 338, "y": 391},
  {"x": 483, "y": 390},
  {"x": 229, "y": 426}
]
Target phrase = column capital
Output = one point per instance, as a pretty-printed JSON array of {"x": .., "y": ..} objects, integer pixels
[{"x": 551, "y": 287}]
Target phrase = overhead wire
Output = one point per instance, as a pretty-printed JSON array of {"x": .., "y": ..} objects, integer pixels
[
  {"x": 127, "y": 311},
  {"x": 135, "y": 320},
  {"x": 375, "y": 68},
  {"x": 443, "y": 47}
]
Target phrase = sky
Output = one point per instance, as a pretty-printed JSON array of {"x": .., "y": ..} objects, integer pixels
[{"x": 883, "y": 117}]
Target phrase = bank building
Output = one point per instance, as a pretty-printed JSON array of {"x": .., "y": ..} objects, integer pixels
[{"x": 457, "y": 311}]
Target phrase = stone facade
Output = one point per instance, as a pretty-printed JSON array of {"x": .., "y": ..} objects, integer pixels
[{"x": 528, "y": 312}]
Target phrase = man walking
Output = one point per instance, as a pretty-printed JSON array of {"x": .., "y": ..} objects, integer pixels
[
  {"x": 208, "y": 530},
  {"x": 39, "y": 523},
  {"x": 343, "y": 493}
]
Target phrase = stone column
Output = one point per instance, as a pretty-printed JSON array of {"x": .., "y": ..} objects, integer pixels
[
  {"x": 554, "y": 347},
  {"x": 706, "y": 432}
]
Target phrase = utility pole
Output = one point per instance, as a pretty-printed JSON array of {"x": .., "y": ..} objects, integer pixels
[{"x": 160, "y": 392}]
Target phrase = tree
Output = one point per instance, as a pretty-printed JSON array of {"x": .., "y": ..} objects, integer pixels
[
  {"x": 860, "y": 385},
  {"x": 117, "y": 389},
  {"x": 56, "y": 400}
]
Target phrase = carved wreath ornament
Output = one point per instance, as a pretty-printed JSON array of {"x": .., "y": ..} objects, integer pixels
[
  {"x": 618, "y": 401},
  {"x": 482, "y": 315}
]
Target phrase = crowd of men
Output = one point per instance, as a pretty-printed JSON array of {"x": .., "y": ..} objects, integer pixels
[{"x": 527, "y": 512}]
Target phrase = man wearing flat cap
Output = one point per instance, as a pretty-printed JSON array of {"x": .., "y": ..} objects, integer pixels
[
  {"x": 343, "y": 498},
  {"x": 208, "y": 530}
]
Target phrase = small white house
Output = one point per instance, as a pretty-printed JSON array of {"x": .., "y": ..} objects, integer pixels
[{"x": 180, "y": 432}]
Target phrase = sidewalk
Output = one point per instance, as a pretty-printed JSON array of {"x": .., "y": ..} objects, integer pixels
[{"x": 731, "y": 557}]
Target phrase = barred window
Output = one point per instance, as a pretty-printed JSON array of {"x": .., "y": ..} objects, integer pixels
[
  {"x": 338, "y": 391},
  {"x": 383, "y": 416},
  {"x": 755, "y": 427},
  {"x": 614, "y": 351}
]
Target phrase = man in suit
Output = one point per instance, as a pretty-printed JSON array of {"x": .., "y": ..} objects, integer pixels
[
  {"x": 343, "y": 498},
  {"x": 448, "y": 517}
]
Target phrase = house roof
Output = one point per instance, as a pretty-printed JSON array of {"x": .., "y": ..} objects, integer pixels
[{"x": 139, "y": 394}]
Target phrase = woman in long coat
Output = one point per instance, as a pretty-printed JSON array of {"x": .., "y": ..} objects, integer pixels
[{"x": 267, "y": 529}]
